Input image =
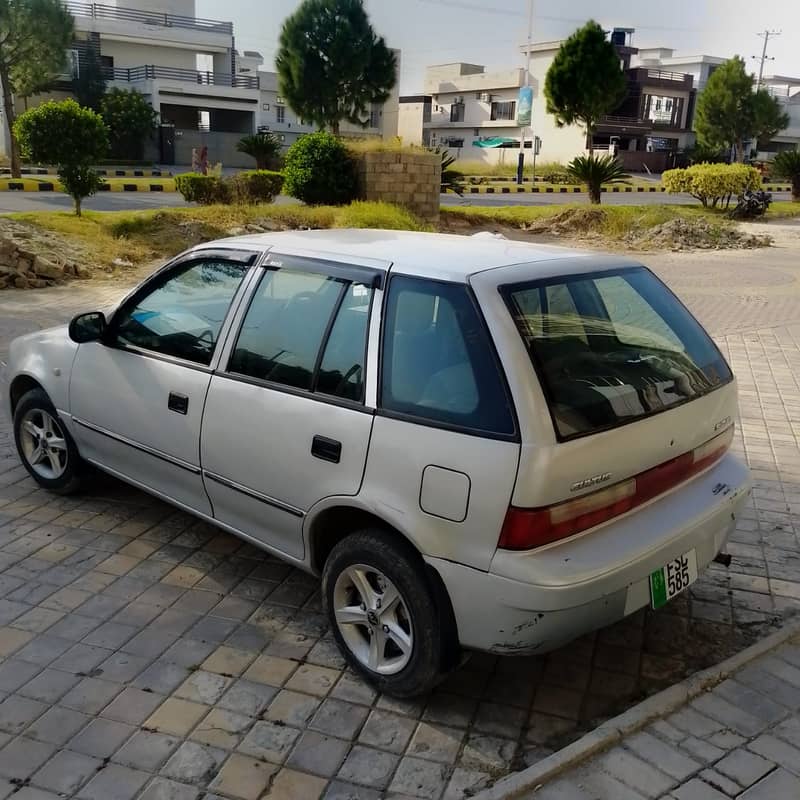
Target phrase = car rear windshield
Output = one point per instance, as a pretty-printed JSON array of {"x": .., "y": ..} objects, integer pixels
[{"x": 612, "y": 347}]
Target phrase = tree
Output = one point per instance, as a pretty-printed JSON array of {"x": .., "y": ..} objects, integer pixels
[
  {"x": 69, "y": 136},
  {"x": 585, "y": 81},
  {"x": 130, "y": 119},
  {"x": 729, "y": 112},
  {"x": 265, "y": 148},
  {"x": 768, "y": 116},
  {"x": 787, "y": 165},
  {"x": 331, "y": 64},
  {"x": 89, "y": 85},
  {"x": 34, "y": 37},
  {"x": 594, "y": 171}
]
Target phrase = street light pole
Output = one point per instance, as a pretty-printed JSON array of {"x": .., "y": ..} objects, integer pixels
[{"x": 521, "y": 158}]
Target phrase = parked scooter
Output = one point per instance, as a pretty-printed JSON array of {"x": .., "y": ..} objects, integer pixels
[{"x": 751, "y": 205}]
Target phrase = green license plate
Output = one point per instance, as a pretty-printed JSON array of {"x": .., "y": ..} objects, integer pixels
[{"x": 672, "y": 578}]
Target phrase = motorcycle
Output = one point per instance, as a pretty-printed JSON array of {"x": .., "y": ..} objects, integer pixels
[{"x": 751, "y": 205}]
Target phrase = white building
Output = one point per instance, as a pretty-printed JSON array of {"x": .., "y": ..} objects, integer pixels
[
  {"x": 462, "y": 107},
  {"x": 183, "y": 64},
  {"x": 787, "y": 91},
  {"x": 275, "y": 116},
  {"x": 205, "y": 91}
]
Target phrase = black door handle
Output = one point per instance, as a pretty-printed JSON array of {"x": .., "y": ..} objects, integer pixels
[
  {"x": 178, "y": 403},
  {"x": 326, "y": 449}
]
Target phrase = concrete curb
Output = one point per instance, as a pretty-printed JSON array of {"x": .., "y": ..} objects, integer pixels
[
  {"x": 118, "y": 185},
  {"x": 632, "y": 720}
]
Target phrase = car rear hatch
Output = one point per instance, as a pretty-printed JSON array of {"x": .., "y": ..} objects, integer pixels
[{"x": 621, "y": 394}]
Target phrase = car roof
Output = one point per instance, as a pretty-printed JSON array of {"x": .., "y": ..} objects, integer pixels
[{"x": 434, "y": 255}]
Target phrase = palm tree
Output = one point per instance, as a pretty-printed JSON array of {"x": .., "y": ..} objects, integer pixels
[
  {"x": 452, "y": 179},
  {"x": 265, "y": 148},
  {"x": 594, "y": 171},
  {"x": 787, "y": 165}
]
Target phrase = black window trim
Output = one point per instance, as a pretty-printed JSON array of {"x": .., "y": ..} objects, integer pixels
[
  {"x": 372, "y": 279},
  {"x": 380, "y": 411},
  {"x": 246, "y": 258},
  {"x": 506, "y": 290}
]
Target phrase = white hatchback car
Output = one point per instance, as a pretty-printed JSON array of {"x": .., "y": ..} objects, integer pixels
[{"x": 477, "y": 443}]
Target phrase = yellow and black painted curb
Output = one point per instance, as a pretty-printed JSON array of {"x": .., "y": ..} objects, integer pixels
[
  {"x": 579, "y": 189},
  {"x": 5, "y": 172},
  {"x": 38, "y": 185}
]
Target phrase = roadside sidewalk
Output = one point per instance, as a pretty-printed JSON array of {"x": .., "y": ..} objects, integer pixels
[{"x": 740, "y": 739}]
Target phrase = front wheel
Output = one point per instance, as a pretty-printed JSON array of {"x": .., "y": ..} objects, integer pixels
[
  {"x": 384, "y": 614},
  {"x": 44, "y": 444}
]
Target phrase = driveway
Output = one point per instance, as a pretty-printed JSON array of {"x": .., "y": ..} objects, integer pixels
[{"x": 146, "y": 654}]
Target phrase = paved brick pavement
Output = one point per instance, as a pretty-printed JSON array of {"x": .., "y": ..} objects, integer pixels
[
  {"x": 146, "y": 654},
  {"x": 740, "y": 740}
]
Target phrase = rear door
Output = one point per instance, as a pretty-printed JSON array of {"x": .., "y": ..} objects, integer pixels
[{"x": 285, "y": 422}]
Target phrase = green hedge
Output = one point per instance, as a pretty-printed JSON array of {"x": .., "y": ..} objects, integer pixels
[
  {"x": 202, "y": 189},
  {"x": 712, "y": 183},
  {"x": 253, "y": 186},
  {"x": 256, "y": 186}
]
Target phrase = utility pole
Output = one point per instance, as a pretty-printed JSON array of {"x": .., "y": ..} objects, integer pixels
[
  {"x": 521, "y": 159},
  {"x": 766, "y": 36}
]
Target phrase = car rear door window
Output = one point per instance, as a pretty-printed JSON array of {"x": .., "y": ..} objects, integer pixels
[
  {"x": 182, "y": 314},
  {"x": 307, "y": 331},
  {"x": 438, "y": 363},
  {"x": 622, "y": 348}
]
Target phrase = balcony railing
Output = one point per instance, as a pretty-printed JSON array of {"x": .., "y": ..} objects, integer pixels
[
  {"x": 660, "y": 77},
  {"x": 101, "y": 11},
  {"x": 151, "y": 71}
]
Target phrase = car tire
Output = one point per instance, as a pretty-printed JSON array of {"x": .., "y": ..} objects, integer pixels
[
  {"x": 384, "y": 613},
  {"x": 44, "y": 444}
]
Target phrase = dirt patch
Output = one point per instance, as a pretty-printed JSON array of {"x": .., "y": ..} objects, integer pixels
[
  {"x": 696, "y": 234},
  {"x": 574, "y": 222}
]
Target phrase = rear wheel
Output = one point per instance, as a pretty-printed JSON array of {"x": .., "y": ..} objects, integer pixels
[
  {"x": 384, "y": 614},
  {"x": 44, "y": 444}
]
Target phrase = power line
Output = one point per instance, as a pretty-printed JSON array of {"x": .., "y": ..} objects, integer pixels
[
  {"x": 764, "y": 57},
  {"x": 504, "y": 12}
]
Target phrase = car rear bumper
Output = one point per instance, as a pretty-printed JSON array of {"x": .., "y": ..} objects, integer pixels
[{"x": 547, "y": 597}]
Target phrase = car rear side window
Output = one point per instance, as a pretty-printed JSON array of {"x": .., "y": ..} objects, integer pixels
[
  {"x": 438, "y": 362},
  {"x": 620, "y": 348}
]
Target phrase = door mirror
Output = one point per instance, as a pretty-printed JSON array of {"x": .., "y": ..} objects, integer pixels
[{"x": 88, "y": 327}]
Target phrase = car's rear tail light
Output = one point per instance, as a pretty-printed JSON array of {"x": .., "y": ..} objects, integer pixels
[{"x": 526, "y": 528}]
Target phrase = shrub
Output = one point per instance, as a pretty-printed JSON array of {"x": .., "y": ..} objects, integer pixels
[
  {"x": 255, "y": 186},
  {"x": 264, "y": 147},
  {"x": 712, "y": 183},
  {"x": 130, "y": 119},
  {"x": 594, "y": 171},
  {"x": 202, "y": 189},
  {"x": 320, "y": 171}
]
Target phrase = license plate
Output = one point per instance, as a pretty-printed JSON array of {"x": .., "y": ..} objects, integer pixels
[{"x": 672, "y": 578}]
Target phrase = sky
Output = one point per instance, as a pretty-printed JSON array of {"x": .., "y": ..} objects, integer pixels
[{"x": 489, "y": 32}]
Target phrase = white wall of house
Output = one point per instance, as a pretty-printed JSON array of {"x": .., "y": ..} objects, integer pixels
[
  {"x": 136, "y": 54},
  {"x": 412, "y": 116}
]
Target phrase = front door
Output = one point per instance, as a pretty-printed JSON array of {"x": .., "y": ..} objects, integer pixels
[
  {"x": 285, "y": 423},
  {"x": 136, "y": 398}
]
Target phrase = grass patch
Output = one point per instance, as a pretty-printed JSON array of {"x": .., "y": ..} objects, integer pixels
[
  {"x": 472, "y": 167},
  {"x": 783, "y": 209},
  {"x": 142, "y": 236}
]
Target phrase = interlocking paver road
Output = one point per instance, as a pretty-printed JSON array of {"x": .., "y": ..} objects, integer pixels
[{"x": 146, "y": 654}]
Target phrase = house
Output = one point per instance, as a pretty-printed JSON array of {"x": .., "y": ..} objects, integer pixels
[
  {"x": 185, "y": 65},
  {"x": 651, "y": 123},
  {"x": 463, "y": 108},
  {"x": 206, "y": 92},
  {"x": 787, "y": 91},
  {"x": 275, "y": 116}
]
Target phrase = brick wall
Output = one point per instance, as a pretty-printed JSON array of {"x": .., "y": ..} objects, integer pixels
[{"x": 408, "y": 179}]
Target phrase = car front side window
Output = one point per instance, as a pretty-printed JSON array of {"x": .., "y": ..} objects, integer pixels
[{"x": 182, "y": 315}]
